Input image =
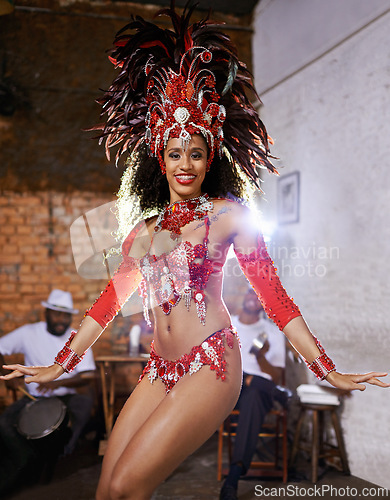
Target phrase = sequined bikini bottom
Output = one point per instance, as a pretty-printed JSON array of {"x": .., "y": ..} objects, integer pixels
[{"x": 210, "y": 352}]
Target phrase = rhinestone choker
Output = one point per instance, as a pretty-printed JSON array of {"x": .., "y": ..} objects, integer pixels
[{"x": 178, "y": 214}]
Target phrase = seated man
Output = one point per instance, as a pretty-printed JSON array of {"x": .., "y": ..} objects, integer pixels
[
  {"x": 263, "y": 359},
  {"x": 39, "y": 343}
]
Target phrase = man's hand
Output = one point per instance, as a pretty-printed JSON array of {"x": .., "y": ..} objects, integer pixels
[
  {"x": 46, "y": 387},
  {"x": 274, "y": 371},
  {"x": 263, "y": 351}
]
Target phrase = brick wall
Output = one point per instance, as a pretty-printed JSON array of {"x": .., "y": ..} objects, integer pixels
[{"x": 37, "y": 255}]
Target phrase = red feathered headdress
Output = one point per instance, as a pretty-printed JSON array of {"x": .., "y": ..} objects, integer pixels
[{"x": 179, "y": 82}]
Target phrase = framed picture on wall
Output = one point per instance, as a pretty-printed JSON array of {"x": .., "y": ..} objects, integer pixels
[{"x": 288, "y": 198}]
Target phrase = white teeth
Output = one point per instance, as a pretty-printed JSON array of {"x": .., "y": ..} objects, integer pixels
[{"x": 185, "y": 177}]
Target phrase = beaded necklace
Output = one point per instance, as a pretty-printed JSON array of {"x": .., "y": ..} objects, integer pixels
[{"x": 178, "y": 214}]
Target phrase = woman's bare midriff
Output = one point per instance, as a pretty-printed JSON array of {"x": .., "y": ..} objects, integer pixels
[{"x": 176, "y": 333}]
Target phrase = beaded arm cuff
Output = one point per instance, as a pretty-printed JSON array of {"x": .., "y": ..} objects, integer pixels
[
  {"x": 322, "y": 365},
  {"x": 67, "y": 357}
]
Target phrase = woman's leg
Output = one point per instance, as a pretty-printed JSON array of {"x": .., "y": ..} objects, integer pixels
[
  {"x": 141, "y": 403},
  {"x": 182, "y": 422}
]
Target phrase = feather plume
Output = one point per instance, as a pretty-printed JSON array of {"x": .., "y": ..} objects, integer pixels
[{"x": 142, "y": 48}]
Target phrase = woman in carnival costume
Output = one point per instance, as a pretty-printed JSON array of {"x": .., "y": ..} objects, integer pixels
[{"x": 179, "y": 109}]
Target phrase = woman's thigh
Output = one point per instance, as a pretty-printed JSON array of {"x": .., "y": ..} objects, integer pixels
[
  {"x": 181, "y": 423},
  {"x": 142, "y": 402}
]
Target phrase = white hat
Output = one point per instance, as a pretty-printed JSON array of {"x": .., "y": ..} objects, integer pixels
[{"x": 60, "y": 301}]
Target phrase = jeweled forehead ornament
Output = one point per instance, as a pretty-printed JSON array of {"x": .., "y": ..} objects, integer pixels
[{"x": 180, "y": 106}]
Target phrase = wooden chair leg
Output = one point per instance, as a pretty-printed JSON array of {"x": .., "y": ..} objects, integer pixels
[
  {"x": 284, "y": 446},
  {"x": 220, "y": 453},
  {"x": 278, "y": 419},
  {"x": 297, "y": 436},
  {"x": 315, "y": 447},
  {"x": 229, "y": 437},
  {"x": 340, "y": 442},
  {"x": 321, "y": 430}
]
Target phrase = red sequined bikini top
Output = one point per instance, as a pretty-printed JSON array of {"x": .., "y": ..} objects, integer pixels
[{"x": 181, "y": 274}]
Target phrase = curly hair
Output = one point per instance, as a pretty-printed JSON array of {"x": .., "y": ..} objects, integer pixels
[{"x": 152, "y": 189}]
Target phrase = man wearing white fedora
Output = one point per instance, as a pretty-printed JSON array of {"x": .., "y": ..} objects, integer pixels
[{"x": 40, "y": 342}]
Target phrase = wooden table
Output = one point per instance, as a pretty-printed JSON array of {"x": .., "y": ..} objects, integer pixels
[{"x": 107, "y": 365}]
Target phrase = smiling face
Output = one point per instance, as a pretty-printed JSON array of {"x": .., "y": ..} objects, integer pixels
[{"x": 185, "y": 168}]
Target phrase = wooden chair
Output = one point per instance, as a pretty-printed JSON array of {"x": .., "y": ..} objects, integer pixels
[
  {"x": 277, "y": 430},
  {"x": 318, "y": 448}
]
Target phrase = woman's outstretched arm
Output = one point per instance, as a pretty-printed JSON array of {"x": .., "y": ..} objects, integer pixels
[
  {"x": 88, "y": 333},
  {"x": 258, "y": 267},
  {"x": 301, "y": 338},
  {"x": 119, "y": 289}
]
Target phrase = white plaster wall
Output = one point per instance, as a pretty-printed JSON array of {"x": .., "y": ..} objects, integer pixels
[
  {"x": 294, "y": 32},
  {"x": 331, "y": 122}
]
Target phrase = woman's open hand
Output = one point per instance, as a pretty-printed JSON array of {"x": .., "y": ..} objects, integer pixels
[
  {"x": 355, "y": 381},
  {"x": 38, "y": 374}
]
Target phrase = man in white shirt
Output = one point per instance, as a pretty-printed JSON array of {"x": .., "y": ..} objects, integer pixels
[
  {"x": 263, "y": 351},
  {"x": 39, "y": 343}
]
